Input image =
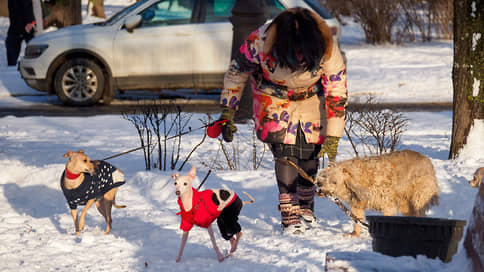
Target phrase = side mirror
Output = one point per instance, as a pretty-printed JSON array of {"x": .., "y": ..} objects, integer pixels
[{"x": 131, "y": 22}]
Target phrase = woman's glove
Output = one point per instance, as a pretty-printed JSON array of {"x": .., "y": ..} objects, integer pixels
[
  {"x": 228, "y": 128},
  {"x": 330, "y": 147}
]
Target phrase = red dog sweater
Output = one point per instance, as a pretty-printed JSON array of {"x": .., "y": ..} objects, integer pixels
[{"x": 203, "y": 212}]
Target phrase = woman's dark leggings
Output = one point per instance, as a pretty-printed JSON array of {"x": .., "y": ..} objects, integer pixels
[{"x": 288, "y": 177}]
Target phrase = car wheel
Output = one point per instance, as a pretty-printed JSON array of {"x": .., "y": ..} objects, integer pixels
[{"x": 79, "y": 82}]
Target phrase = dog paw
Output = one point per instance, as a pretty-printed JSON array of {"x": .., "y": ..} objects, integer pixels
[
  {"x": 352, "y": 234},
  {"x": 221, "y": 257},
  {"x": 234, "y": 242}
]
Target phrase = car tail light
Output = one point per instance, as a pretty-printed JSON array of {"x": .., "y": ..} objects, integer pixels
[{"x": 334, "y": 30}]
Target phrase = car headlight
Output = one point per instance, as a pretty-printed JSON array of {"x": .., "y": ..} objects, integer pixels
[{"x": 34, "y": 50}]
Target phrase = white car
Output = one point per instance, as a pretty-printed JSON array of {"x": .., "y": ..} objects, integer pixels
[{"x": 152, "y": 44}]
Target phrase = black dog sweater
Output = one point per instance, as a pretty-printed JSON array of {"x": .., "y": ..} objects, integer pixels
[{"x": 93, "y": 186}]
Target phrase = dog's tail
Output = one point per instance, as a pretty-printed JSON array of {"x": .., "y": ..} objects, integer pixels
[
  {"x": 252, "y": 200},
  {"x": 118, "y": 206}
]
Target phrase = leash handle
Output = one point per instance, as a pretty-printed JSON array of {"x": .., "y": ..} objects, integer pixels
[{"x": 215, "y": 128}]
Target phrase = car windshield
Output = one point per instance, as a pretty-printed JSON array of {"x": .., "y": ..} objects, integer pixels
[{"x": 122, "y": 13}]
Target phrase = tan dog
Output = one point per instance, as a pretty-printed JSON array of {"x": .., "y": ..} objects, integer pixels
[
  {"x": 84, "y": 182},
  {"x": 398, "y": 182},
  {"x": 478, "y": 177}
]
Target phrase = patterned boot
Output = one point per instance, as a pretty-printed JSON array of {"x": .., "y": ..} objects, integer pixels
[
  {"x": 306, "y": 202},
  {"x": 289, "y": 207}
]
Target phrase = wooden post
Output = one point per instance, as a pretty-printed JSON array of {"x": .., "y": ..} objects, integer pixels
[{"x": 4, "y": 8}]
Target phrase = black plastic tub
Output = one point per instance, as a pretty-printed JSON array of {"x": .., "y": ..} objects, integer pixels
[{"x": 411, "y": 236}]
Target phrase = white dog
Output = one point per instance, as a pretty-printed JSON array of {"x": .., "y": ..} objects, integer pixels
[{"x": 202, "y": 208}]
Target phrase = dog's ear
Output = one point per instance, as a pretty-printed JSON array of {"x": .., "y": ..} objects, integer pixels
[
  {"x": 192, "y": 173},
  {"x": 68, "y": 153},
  {"x": 80, "y": 151},
  {"x": 478, "y": 178},
  {"x": 359, "y": 192},
  {"x": 480, "y": 173},
  {"x": 175, "y": 176}
]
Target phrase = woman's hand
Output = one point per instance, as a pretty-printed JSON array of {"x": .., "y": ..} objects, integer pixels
[
  {"x": 228, "y": 128},
  {"x": 330, "y": 147}
]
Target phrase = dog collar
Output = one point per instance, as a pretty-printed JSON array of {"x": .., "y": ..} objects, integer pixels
[{"x": 71, "y": 175}]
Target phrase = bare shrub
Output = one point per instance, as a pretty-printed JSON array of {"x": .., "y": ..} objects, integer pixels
[
  {"x": 165, "y": 124},
  {"x": 415, "y": 16},
  {"x": 140, "y": 122},
  {"x": 377, "y": 18},
  {"x": 158, "y": 125},
  {"x": 397, "y": 21},
  {"x": 442, "y": 18},
  {"x": 244, "y": 152},
  {"x": 205, "y": 123},
  {"x": 160, "y": 130},
  {"x": 427, "y": 17},
  {"x": 373, "y": 130},
  {"x": 338, "y": 8},
  {"x": 231, "y": 154},
  {"x": 257, "y": 155}
]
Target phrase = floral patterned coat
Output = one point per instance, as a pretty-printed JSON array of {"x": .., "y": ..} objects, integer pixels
[{"x": 283, "y": 99}]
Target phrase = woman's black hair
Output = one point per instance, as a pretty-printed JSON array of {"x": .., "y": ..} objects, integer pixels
[{"x": 299, "y": 43}]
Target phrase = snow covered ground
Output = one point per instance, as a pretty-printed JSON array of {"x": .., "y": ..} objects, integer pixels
[{"x": 36, "y": 227}]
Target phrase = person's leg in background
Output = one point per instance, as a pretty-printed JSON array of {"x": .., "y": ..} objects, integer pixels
[{"x": 13, "y": 44}]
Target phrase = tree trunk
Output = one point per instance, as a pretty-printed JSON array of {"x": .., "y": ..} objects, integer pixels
[
  {"x": 98, "y": 8},
  {"x": 73, "y": 13},
  {"x": 64, "y": 13},
  {"x": 468, "y": 70},
  {"x": 3, "y": 8}
]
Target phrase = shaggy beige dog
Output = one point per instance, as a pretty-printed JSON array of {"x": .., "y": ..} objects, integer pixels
[
  {"x": 398, "y": 182},
  {"x": 478, "y": 178}
]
